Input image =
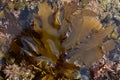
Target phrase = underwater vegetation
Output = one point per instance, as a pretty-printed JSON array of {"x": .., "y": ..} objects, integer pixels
[{"x": 51, "y": 43}]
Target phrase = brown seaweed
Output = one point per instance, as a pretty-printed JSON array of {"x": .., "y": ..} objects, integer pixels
[
  {"x": 45, "y": 45},
  {"x": 86, "y": 33},
  {"x": 44, "y": 15}
]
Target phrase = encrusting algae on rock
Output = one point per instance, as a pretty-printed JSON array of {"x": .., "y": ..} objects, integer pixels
[{"x": 59, "y": 41}]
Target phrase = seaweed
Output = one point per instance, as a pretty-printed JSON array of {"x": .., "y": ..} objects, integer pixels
[{"x": 71, "y": 29}]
